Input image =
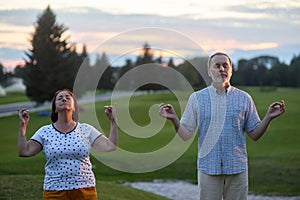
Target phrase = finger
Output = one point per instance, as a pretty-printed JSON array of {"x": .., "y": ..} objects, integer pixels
[
  {"x": 275, "y": 104},
  {"x": 169, "y": 106},
  {"x": 161, "y": 105},
  {"x": 108, "y": 109},
  {"x": 282, "y": 106},
  {"x": 23, "y": 111}
]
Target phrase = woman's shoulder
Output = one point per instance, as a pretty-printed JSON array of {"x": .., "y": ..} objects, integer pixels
[
  {"x": 84, "y": 125},
  {"x": 45, "y": 129},
  {"x": 47, "y": 126}
]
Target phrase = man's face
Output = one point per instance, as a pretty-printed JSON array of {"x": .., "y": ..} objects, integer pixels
[{"x": 220, "y": 69}]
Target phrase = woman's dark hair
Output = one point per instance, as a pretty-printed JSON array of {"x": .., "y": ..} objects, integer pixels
[{"x": 54, "y": 115}]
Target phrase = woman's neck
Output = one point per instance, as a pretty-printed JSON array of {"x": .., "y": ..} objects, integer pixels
[
  {"x": 65, "y": 118},
  {"x": 65, "y": 124}
]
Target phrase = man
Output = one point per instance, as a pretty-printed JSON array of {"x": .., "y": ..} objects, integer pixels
[{"x": 221, "y": 113}]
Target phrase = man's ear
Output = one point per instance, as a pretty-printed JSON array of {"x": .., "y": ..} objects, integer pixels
[{"x": 209, "y": 73}]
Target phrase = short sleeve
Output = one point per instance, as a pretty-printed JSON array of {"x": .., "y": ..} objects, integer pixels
[
  {"x": 252, "y": 117},
  {"x": 94, "y": 134},
  {"x": 190, "y": 115},
  {"x": 37, "y": 137}
]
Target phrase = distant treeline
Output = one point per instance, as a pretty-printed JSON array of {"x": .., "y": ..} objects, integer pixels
[{"x": 52, "y": 63}]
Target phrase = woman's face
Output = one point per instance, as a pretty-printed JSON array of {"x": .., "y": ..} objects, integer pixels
[{"x": 64, "y": 101}]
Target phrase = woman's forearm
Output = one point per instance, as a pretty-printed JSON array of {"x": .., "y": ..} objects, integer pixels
[
  {"x": 22, "y": 141},
  {"x": 113, "y": 135}
]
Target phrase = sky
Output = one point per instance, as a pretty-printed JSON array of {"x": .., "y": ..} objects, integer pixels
[{"x": 186, "y": 28}]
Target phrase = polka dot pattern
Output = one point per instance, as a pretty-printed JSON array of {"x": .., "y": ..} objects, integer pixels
[{"x": 68, "y": 165}]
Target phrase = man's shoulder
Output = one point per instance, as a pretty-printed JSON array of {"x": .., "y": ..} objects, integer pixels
[
  {"x": 240, "y": 92},
  {"x": 202, "y": 91},
  {"x": 200, "y": 94}
]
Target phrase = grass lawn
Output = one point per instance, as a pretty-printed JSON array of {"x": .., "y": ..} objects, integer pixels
[
  {"x": 274, "y": 161},
  {"x": 29, "y": 187},
  {"x": 13, "y": 98}
]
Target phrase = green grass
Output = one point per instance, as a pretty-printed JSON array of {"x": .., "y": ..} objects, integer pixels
[
  {"x": 30, "y": 187},
  {"x": 13, "y": 98},
  {"x": 274, "y": 161}
]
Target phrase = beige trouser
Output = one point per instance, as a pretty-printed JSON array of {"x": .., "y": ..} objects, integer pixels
[{"x": 230, "y": 187}]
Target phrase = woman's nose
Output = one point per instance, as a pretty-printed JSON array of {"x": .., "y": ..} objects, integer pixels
[{"x": 221, "y": 68}]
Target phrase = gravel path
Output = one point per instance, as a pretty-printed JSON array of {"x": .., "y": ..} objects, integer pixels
[{"x": 181, "y": 190}]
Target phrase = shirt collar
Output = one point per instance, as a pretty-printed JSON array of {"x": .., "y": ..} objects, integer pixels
[{"x": 228, "y": 89}]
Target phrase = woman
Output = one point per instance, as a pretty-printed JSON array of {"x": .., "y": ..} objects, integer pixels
[{"x": 66, "y": 144}]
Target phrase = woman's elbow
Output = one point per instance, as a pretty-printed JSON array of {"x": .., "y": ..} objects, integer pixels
[
  {"x": 22, "y": 155},
  {"x": 112, "y": 148}
]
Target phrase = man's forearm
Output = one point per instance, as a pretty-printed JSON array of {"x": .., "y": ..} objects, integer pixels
[
  {"x": 183, "y": 133},
  {"x": 260, "y": 129}
]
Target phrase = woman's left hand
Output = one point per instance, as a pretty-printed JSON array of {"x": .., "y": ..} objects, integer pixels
[{"x": 110, "y": 112}]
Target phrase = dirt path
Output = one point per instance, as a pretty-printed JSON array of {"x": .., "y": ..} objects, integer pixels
[{"x": 180, "y": 190}]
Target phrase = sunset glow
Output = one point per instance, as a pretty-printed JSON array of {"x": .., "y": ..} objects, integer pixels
[{"x": 233, "y": 26}]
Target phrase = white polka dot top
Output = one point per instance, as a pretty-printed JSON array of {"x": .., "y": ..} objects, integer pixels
[{"x": 68, "y": 165}]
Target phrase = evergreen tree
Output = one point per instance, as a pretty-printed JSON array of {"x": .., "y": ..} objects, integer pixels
[
  {"x": 147, "y": 56},
  {"x": 171, "y": 63},
  {"x": 2, "y": 75},
  {"x": 52, "y": 63},
  {"x": 86, "y": 73},
  {"x": 106, "y": 81}
]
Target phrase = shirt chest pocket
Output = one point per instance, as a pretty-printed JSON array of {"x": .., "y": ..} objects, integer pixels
[{"x": 238, "y": 119}]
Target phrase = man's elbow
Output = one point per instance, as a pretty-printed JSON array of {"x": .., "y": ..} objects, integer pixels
[{"x": 253, "y": 136}]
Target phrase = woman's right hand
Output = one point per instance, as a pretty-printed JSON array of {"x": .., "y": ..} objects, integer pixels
[{"x": 23, "y": 116}]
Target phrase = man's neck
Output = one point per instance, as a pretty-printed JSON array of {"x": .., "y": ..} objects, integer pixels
[{"x": 221, "y": 87}]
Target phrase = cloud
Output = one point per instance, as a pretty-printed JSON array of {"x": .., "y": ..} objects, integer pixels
[
  {"x": 244, "y": 29},
  {"x": 19, "y": 17}
]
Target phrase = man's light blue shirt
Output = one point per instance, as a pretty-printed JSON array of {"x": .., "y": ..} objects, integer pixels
[{"x": 221, "y": 121}]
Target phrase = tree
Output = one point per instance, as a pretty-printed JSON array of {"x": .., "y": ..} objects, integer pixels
[
  {"x": 147, "y": 56},
  {"x": 294, "y": 71},
  {"x": 255, "y": 71},
  {"x": 107, "y": 80},
  {"x": 279, "y": 74},
  {"x": 52, "y": 63},
  {"x": 2, "y": 75},
  {"x": 195, "y": 71},
  {"x": 85, "y": 75},
  {"x": 171, "y": 63}
]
